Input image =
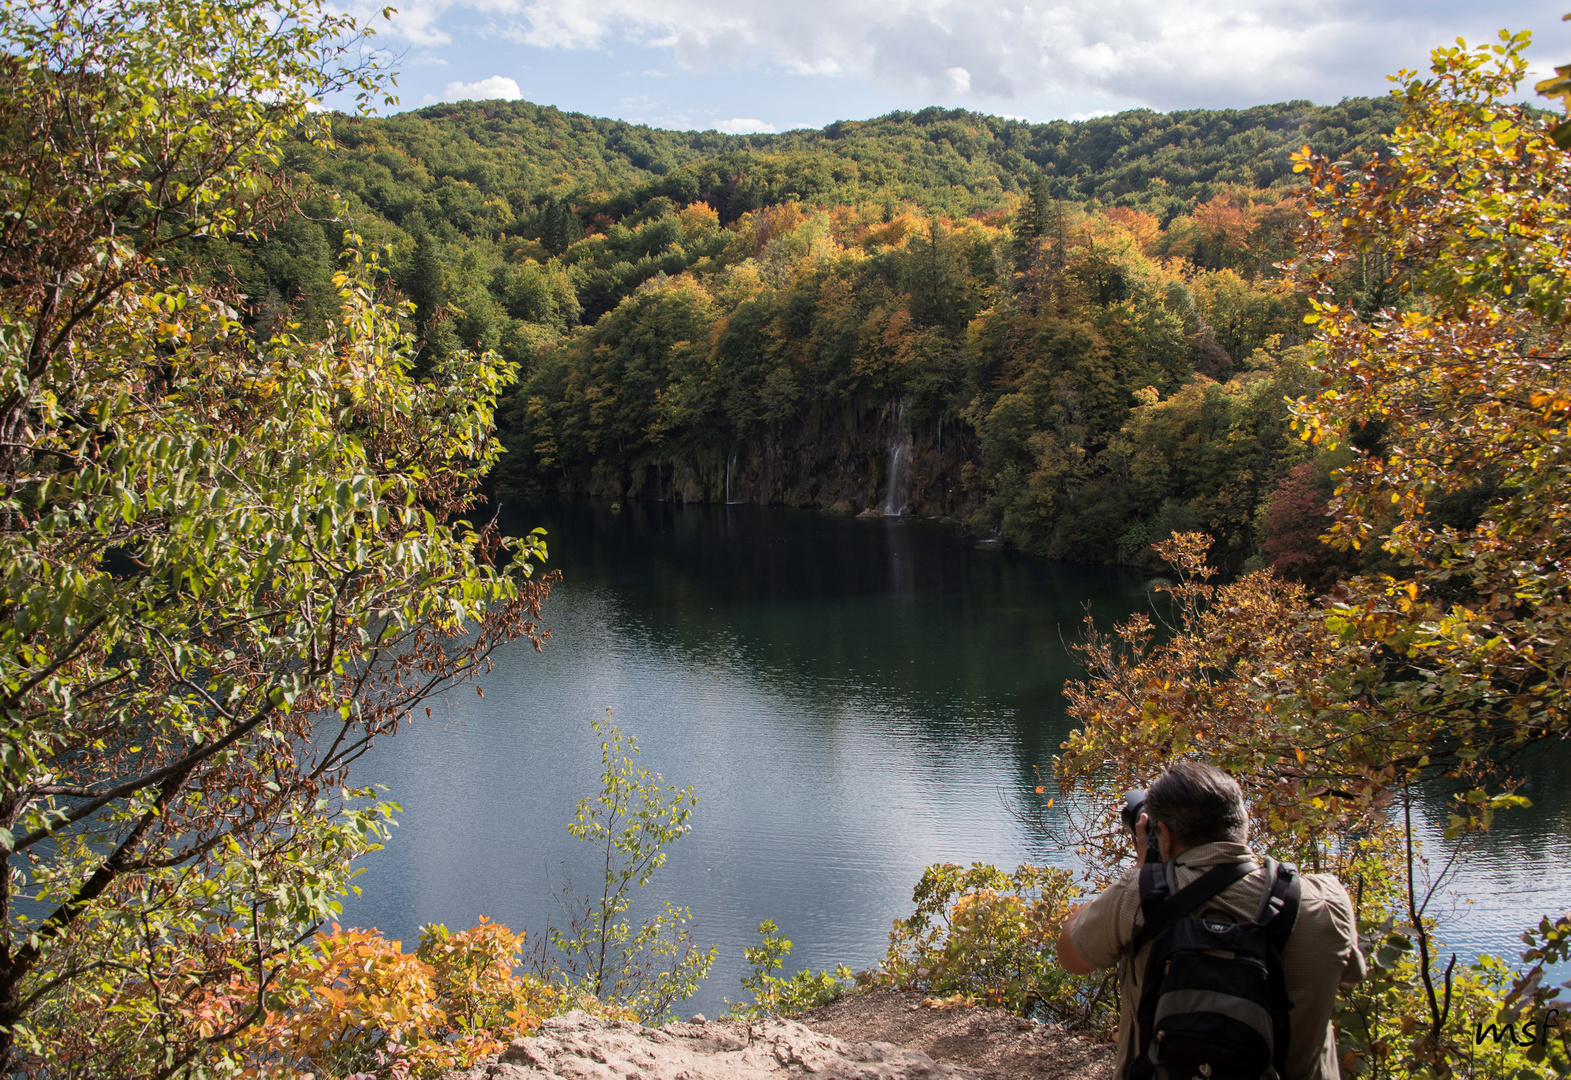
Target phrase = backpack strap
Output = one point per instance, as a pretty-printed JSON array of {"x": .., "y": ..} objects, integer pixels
[
  {"x": 1161, "y": 907},
  {"x": 1278, "y": 909},
  {"x": 1277, "y": 913},
  {"x": 1158, "y": 881}
]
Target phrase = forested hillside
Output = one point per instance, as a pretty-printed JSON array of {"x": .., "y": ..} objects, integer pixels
[
  {"x": 1071, "y": 334},
  {"x": 949, "y": 160}
]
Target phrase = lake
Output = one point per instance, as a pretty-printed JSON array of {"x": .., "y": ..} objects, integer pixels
[{"x": 851, "y": 699}]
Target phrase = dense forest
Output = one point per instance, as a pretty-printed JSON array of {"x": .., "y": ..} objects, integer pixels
[{"x": 1072, "y": 335}]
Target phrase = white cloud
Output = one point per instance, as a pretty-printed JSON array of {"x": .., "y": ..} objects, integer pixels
[
  {"x": 742, "y": 125},
  {"x": 1165, "y": 53},
  {"x": 497, "y": 86},
  {"x": 425, "y": 61}
]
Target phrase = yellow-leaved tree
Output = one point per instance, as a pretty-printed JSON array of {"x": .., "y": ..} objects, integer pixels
[{"x": 1438, "y": 279}]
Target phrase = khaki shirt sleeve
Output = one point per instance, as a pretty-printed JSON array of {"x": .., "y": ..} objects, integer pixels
[
  {"x": 1355, "y": 968},
  {"x": 1103, "y": 928},
  {"x": 1321, "y": 953}
]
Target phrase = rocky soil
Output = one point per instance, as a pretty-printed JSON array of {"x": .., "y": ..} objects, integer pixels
[
  {"x": 880, "y": 1036},
  {"x": 991, "y": 1043}
]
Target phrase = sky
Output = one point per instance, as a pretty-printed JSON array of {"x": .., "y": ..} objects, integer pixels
[{"x": 772, "y": 65}]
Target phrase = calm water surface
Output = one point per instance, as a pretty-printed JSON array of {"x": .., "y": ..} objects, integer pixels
[{"x": 852, "y": 701}]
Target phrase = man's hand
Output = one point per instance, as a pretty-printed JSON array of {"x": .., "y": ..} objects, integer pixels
[
  {"x": 1069, "y": 957},
  {"x": 1142, "y": 830}
]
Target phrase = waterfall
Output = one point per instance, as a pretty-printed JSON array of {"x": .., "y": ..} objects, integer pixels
[
  {"x": 899, "y": 463},
  {"x": 729, "y": 465}
]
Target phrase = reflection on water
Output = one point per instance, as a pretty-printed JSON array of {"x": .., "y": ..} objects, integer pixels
[
  {"x": 1505, "y": 880},
  {"x": 851, "y": 699}
]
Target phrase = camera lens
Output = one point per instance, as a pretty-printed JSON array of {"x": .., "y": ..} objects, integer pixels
[{"x": 1134, "y": 806}]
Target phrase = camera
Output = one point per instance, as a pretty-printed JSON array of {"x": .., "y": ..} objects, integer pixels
[{"x": 1134, "y": 806}]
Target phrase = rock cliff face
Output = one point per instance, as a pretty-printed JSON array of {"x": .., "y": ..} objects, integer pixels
[{"x": 877, "y": 459}]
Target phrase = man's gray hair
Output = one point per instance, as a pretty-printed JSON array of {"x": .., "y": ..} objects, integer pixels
[{"x": 1200, "y": 803}]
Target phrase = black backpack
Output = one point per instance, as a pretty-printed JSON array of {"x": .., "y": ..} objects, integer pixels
[{"x": 1213, "y": 1004}]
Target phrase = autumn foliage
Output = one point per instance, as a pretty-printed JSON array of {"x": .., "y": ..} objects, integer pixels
[
  {"x": 1295, "y": 519},
  {"x": 1462, "y": 373},
  {"x": 1439, "y": 294},
  {"x": 357, "y": 1003}
]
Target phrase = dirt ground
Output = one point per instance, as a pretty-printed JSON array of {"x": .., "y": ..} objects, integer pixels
[
  {"x": 871, "y": 1036},
  {"x": 994, "y": 1043}
]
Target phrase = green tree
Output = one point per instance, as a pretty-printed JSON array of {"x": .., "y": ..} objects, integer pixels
[
  {"x": 1039, "y": 221},
  {"x": 426, "y": 281},
  {"x": 559, "y": 226},
  {"x": 631, "y": 823},
  {"x": 229, "y": 564}
]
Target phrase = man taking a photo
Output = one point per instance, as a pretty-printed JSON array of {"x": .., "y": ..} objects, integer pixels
[{"x": 1251, "y": 949}]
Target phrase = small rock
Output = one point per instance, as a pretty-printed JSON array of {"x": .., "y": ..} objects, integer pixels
[
  {"x": 698, "y": 1018},
  {"x": 525, "y": 1052},
  {"x": 503, "y": 1071}
]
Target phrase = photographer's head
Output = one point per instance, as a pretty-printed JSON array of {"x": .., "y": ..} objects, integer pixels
[{"x": 1199, "y": 804}]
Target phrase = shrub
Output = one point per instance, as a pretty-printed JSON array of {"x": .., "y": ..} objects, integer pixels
[
  {"x": 357, "y": 1003},
  {"x": 1486, "y": 1033},
  {"x": 360, "y": 1004},
  {"x": 774, "y": 996},
  {"x": 982, "y": 933}
]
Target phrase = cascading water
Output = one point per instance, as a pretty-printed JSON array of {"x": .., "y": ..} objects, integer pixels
[
  {"x": 729, "y": 465},
  {"x": 899, "y": 463}
]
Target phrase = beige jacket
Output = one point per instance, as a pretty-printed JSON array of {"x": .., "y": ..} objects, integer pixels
[{"x": 1321, "y": 954}]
